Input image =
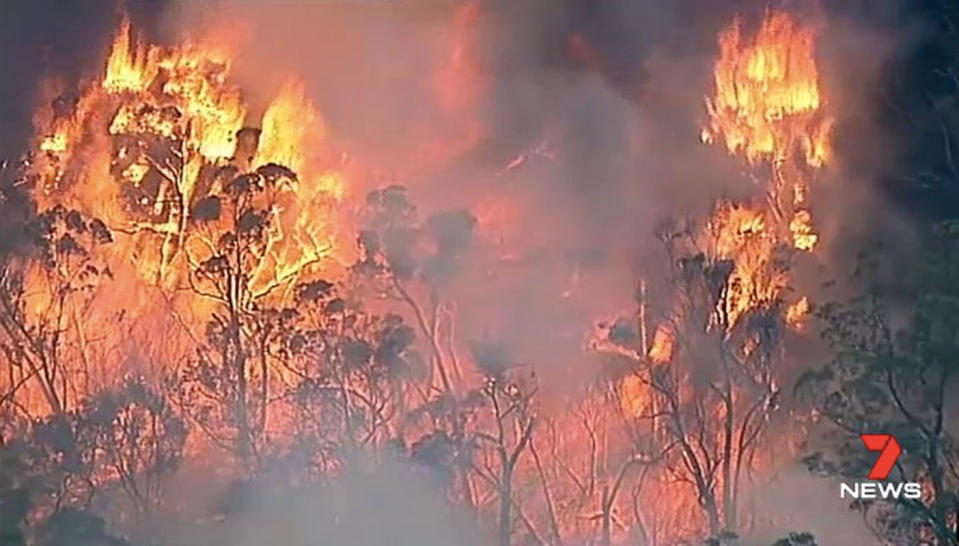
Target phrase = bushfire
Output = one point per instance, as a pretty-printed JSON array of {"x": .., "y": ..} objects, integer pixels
[{"x": 228, "y": 273}]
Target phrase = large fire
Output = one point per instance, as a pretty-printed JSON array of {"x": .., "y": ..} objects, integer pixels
[
  {"x": 768, "y": 111},
  {"x": 173, "y": 119},
  {"x": 214, "y": 215},
  {"x": 768, "y": 108}
]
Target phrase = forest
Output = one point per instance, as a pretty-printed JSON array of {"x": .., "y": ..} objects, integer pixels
[{"x": 470, "y": 272}]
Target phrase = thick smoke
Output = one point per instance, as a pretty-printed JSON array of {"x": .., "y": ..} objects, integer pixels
[
  {"x": 581, "y": 122},
  {"x": 570, "y": 129}
]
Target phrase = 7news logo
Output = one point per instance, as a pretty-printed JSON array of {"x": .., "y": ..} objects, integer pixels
[{"x": 889, "y": 451}]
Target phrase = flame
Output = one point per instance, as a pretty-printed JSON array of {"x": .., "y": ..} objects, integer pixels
[
  {"x": 128, "y": 66},
  {"x": 161, "y": 118},
  {"x": 662, "y": 349},
  {"x": 56, "y": 142},
  {"x": 804, "y": 238},
  {"x": 634, "y": 396},
  {"x": 740, "y": 233},
  {"x": 797, "y": 313},
  {"x": 768, "y": 108},
  {"x": 767, "y": 93},
  {"x": 290, "y": 126}
]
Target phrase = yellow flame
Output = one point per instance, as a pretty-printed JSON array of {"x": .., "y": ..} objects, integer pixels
[
  {"x": 767, "y": 109},
  {"x": 662, "y": 348},
  {"x": 290, "y": 126},
  {"x": 128, "y": 66},
  {"x": 804, "y": 238},
  {"x": 767, "y": 93},
  {"x": 54, "y": 143},
  {"x": 797, "y": 313}
]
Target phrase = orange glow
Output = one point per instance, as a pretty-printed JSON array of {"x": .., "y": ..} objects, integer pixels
[
  {"x": 767, "y": 109},
  {"x": 662, "y": 348},
  {"x": 767, "y": 93}
]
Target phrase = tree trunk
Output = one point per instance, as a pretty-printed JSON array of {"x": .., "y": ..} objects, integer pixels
[
  {"x": 506, "y": 497},
  {"x": 607, "y": 508}
]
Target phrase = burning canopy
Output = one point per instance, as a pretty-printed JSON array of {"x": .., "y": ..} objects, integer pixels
[
  {"x": 218, "y": 230},
  {"x": 162, "y": 130},
  {"x": 767, "y": 109}
]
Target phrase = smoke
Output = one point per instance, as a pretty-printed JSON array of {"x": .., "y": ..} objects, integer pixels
[
  {"x": 567, "y": 129},
  {"x": 570, "y": 129},
  {"x": 45, "y": 39},
  {"x": 394, "y": 504}
]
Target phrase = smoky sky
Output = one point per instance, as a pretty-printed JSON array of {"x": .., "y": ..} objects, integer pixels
[
  {"x": 54, "y": 38},
  {"x": 614, "y": 87}
]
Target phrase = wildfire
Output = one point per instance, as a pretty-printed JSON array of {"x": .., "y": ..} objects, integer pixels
[
  {"x": 164, "y": 119},
  {"x": 767, "y": 109},
  {"x": 156, "y": 142},
  {"x": 767, "y": 93}
]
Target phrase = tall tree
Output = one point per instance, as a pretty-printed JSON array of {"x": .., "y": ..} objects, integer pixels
[{"x": 894, "y": 364}]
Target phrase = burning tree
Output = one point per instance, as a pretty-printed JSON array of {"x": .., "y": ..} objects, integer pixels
[
  {"x": 38, "y": 323},
  {"x": 315, "y": 360}
]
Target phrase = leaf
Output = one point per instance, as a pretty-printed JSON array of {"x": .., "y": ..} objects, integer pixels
[{"x": 207, "y": 209}]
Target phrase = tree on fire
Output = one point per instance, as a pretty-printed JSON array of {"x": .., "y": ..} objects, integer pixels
[
  {"x": 714, "y": 394},
  {"x": 64, "y": 243},
  {"x": 343, "y": 368},
  {"x": 895, "y": 349}
]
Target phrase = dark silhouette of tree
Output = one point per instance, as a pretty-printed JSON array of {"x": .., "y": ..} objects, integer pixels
[
  {"x": 35, "y": 328},
  {"x": 796, "y": 539},
  {"x": 398, "y": 253},
  {"x": 893, "y": 369},
  {"x": 74, "y": 527},
  {"x": 124, "y": 439},
  {"x": 350, "y": 372},
  {"x": 226, "y": 390},
  {"x": 511, "y": 404}
]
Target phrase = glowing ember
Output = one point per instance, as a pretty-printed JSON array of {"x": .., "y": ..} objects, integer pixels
[{"x": 797, "y": 313}]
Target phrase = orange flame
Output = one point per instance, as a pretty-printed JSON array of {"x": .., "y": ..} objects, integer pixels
[
  {"x": 768, "y": 109},
  {"x": 767, "y": 93}
]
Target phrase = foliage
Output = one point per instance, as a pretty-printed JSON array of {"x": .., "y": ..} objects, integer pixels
[
  {"x": 895, "y": 348},
  {"x": 34, "y": 326}
]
